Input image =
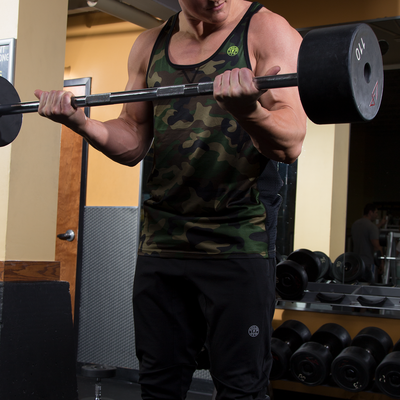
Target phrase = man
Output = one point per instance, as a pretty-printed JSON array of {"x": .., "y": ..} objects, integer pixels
[
  {"x": 365, "y": 236},
  {"x": 206, "y": 267}
]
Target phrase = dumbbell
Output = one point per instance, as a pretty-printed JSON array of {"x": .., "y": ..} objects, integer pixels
[
  {"x": 326, "y": 265},
  {"x": 286, "y": 339},
  {"x": 311, "y": 363},
  {"x": 387, "y": 374},
  {"x": 354, "y": 368},
  {"x": 348, "y": 268},
  {"x": 294, "y": 273}
]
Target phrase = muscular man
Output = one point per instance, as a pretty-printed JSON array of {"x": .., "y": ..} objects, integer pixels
[
  {"x": 365, "y": 236},
  {"x": 205, "y": 272}
]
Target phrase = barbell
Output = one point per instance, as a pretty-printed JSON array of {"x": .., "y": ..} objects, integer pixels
[{"x": 339, "y": 79}]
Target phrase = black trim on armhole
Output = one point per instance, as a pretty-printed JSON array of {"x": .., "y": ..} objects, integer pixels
[
  {"x": 246, "y": 33},
  {"x": 170, "y": 23}
]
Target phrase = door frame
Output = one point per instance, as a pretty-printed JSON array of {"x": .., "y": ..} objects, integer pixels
[{"x": 87, "y": 83}]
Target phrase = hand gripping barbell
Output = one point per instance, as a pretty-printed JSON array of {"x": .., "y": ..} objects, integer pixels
[{"x": 339, "y": 78}]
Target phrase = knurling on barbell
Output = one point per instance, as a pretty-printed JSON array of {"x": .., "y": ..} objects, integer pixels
[{"x": 339, "y": 78}]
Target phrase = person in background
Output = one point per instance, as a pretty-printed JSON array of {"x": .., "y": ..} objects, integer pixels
[{"x": 365, "y": 238}]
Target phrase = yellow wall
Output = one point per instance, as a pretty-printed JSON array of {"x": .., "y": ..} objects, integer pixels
[
  {"x": 98, "y": 47},
  {"x": 322, "y": 190},
  {"x": 29, "y": 166}
]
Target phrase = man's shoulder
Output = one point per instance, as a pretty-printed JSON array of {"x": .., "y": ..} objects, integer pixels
[
  {"x": 365, "y": 223},
  {"x": 267, "y": 20},
  {"x": 148, "y": 37},
  {"x": 280, "y": 41},
  {"x": 142, "y": 48}
]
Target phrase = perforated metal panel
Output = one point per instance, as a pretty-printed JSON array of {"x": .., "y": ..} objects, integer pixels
[{"x": 106, "y": 330}]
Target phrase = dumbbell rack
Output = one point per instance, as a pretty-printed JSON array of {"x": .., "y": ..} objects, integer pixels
[
  {"x": 343, "y": 298},
  {"x": 352, "y": 298}
]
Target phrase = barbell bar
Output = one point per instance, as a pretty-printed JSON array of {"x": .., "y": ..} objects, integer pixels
[
  {"x": 150, "y": 94},
  {"x": 339, "y": 79}
]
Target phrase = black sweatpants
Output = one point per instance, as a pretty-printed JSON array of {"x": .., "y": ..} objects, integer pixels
[{"x": 179, "y": 305}]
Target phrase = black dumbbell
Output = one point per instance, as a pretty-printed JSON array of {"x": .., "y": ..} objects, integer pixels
[
  {"x": 293, "y": 274},
  {"x": 387, "y": 374},
  {"x": 311, "y": 363},
  {"x": 348, "y": 268},
  {"x": 286, "y": 339},
  {"x": 354, "y": 368},
  {"x": 326, "y": 265}
]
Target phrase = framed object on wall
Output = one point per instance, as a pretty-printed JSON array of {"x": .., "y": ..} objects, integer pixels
[{"x": 7, "y": 59}]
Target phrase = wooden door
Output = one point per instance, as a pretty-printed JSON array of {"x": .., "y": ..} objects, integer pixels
[{"x": 70, "y": 196}]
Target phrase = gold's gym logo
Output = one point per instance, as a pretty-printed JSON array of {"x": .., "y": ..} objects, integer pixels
[{"x": 233, "y": 50}]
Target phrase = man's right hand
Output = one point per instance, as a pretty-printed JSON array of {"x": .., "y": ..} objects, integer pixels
[{"x": 56, "y": 105}]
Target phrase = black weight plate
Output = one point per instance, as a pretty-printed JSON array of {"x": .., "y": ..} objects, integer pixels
[
  {"x": 311, "y": 364},
  {"x": 292, "y": 332},
  {"x": 375, "y": 340},
  {"x": 98, "y": 371},
  {"x": 309, "y": 261},
  {"x": 291, "y": 280},
  {"x": 396, "y": 347},
  {"x": 353, "y": 369},
  {"x": 10, "y": 125},
  {"x": 366, "y": 71},
  {"x": 387, "y": 375},
  {"x": 281, "y": 354},
  {"x": 348, "y": 268},
  {"x": 326, "y": 264},
  {"x": 333, "y": 336},
  {"x": 340, "y": 74}
]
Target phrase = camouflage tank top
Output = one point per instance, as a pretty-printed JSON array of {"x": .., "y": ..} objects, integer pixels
[{"x": 212, "y": 194}]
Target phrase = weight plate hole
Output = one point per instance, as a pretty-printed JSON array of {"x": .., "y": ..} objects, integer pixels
[
  {"x": 350, "y": 374},
  {"x": 367, "y": 72},
  {"x": 394, "y": 379}
]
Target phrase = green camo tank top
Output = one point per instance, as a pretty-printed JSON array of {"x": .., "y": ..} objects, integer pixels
[{"x": 212, "y": 194}]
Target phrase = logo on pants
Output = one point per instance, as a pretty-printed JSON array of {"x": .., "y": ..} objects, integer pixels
[{"x": 254, "y": 331}]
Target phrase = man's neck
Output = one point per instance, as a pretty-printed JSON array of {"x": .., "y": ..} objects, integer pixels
[{"x": 199, "y": 29}]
